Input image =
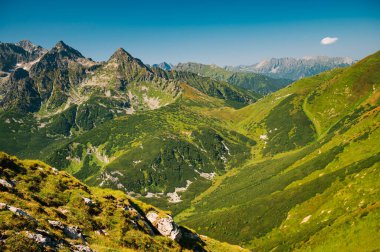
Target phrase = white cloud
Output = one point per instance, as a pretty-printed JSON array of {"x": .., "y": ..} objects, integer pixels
[{"x": 329, "y": 40}]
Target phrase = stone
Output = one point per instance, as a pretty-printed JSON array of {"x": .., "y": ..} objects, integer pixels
[
  {"x": 88, "y": 201},
  {"x": 3, "y": 206},
  {"x": 165, "y": 225},
  {"x": 82, "y": 248},
  {"x": 20, "y": 212},
  {"x": 41, "y": 239},
  {"x": 73, "y": 232},
  {"x": 56, "y": 224},
  {"x": 6, "y": 184}
]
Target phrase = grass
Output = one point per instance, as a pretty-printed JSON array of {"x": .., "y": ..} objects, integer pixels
[
  {"x": 45, "y": 194},
  {"x": 252, "y": 205}
]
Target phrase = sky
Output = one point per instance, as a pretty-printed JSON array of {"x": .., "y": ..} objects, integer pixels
[{"x": 211, "y": 32}]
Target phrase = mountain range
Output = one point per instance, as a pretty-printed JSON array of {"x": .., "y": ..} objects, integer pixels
[
  {"x": 266, "y": 76},
  {"x": 294, "y": 170},
  {"x": 294, "y": 68}
]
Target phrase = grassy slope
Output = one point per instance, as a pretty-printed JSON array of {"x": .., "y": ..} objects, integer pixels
[
  {"x": 46, "y": 194},
  {"x": 254, "y": 202}
]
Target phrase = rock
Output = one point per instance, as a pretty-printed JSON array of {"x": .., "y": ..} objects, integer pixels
[
  {"x": 73, "y": 232},
  {"x": 306, "y": 219},
  {"x": 3, "y": 206},
  {"x": 56, "y": 224},
  {"x": 165, "y": 225},
  {"x": 88, "y": 201},
  {"x": 41, "y": 239},
  {"x": 101, "y": 232},
  {"x": 19, "y": 212},
  {"x": 82, "y": 248},
  {"x": 63, "y": 210},
  {"x": 55, "y": 170},
  {"x": 6, "y": 184}
]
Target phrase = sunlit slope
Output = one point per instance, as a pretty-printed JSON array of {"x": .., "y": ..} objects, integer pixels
[
  {"x": 43, "y": 209},
  {"x": 307, "y": 109},
  {"x": 262, "y": 203}
]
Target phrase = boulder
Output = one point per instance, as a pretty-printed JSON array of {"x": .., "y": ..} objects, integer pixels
[
  {"x": 56, "y": 224},
  {"x": 165, "y": 225},
  {"x": 73, "y": 232},
  {"x": 88, "y": 201},
  {"x": 6, "y": 184},
  {"x": 41, "y": 239},
  {"x": 16, "y": 211}
]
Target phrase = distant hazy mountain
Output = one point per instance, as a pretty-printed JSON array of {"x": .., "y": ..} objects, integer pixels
[
  {"x": 164, "y": 66},
  {"x": 258, "y": 83},
  {"x": 292, "y": 68}
]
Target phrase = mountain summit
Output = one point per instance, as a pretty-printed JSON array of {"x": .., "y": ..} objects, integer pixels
[
  {"x": 122, "y": 56},
  {"x": 31, "y": 48},
  {"x": 65, "y": 51}
]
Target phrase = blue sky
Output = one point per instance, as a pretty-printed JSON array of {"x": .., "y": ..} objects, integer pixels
[{"x": 220, "y": 32}]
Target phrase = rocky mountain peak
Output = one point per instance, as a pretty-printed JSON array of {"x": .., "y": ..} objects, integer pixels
[
  {"x": 25, "y": 44},
  {"x": 34, "y": 50},
  {"x": 121, "y": 56},
  {"x": 60, "y": 44},
  {"x": 66, "y": 51}
]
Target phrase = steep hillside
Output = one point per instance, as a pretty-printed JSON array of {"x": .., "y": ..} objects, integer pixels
[
  {"x": 294, "y": 69},
  {"x": 250, "y": 81},
  {"x": 305, "y": 182},
  {"x": 42, "y": 209}
]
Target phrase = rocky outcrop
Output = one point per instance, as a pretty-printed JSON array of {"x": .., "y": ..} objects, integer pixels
[
  {"x": 16, "y": 211},
  {"x": 165, "y": 225},
  {"x": 71, "y": 232},
  {"x": 35, "y": 50},
  {"x": 42, "y": 239},
  {"x": 6, "y": 184}
]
